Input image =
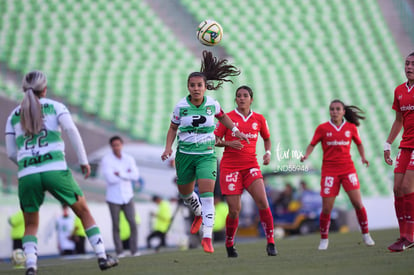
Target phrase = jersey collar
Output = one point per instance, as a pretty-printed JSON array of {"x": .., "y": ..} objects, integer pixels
[
  {"x": 408, "y": 88},
  {"x": 242, "y": 116},
  {"x": 340, "y": 126},
  {"x": 191, "y": 104}
]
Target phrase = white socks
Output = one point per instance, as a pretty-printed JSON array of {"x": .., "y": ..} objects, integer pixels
[
  {"x": 207, "y": 205},
  {"x": 194, "y": 203}
]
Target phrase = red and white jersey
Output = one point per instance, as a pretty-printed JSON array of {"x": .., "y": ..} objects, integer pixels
[
  {"x": 252, "y": 125},
  {"x": 336, "y": 146},
  {"x": 404, "y": 103}
]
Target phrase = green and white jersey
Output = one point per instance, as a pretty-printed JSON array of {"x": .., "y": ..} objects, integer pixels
[
  {"x": 196, "y": 125},
  {"x": 44, "y": 151}
]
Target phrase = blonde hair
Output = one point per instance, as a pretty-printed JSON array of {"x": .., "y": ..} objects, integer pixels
[{"x": 31, "y": 117}]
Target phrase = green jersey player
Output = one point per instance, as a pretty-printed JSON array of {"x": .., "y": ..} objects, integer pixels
[
  {"x": 34, "y": 143},
  {"x": 193, "y": 123}
]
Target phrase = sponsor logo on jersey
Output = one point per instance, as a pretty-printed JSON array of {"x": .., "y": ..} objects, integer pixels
[
  {"x": 231, "y": 187},
  {"x": 248, "y": 135},
  {"x": 337, "y": 143},
  {"x": 408, "y": 107},
  {"x": 37, "y": 160}
]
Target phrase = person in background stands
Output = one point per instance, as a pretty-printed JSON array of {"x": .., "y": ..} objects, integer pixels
[
  {"x": 16, "y": 222},
  {"x": 162, "y": 222},
  {"x": 78, "y": 236},
  {"x": 120, "y": 170},
  {"x": 64, "y": 228}
]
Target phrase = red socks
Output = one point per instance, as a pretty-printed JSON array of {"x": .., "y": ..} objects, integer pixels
[
  {"x": 231, "y": 228},
  {"x": 399, "y": 212},
  {"x": 324, "y": 223},
  {"x": 362, "y": 219},
  {"x": 409, "y": 216},
  {"x": 267, "y": 222},
  {"x": 266, "y": 219}
]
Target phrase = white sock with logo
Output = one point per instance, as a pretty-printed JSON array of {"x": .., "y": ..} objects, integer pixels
[
  {"x": 207, "y": 205},
  {"x": 193, "y": 201}
]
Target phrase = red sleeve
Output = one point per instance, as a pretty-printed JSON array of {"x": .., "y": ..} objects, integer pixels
[
  {"x": 220, "y": 114},
  {"x": 220, "y": 130},
  {"x": 396, "y": 103},
  {"x": 317, "y": 137},
  {"x": 355, "y": 135},
  {"x": 264, "y": 130}
]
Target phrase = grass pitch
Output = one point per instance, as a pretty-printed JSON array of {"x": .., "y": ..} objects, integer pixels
[{"x": 297, "y": 255}]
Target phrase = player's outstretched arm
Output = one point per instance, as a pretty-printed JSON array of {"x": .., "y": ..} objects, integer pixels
[
  {"x": 309, "y": 151},
  {"x": 171, "y": 134}
]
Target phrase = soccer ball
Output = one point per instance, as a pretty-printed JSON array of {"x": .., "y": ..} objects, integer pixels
[
  {"x": 18, "y": 257},
  {"x": 209, "y": 32},
  {"x": 279, "y": 233}
]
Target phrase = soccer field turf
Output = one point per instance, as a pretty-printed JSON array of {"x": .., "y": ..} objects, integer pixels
[{"x": 297, "y": 255}]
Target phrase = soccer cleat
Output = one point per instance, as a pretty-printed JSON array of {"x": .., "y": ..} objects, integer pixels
[
  {"x": 31, "y": 271},
  {"x": 397, "y": 246},
  {"x": 271, "y": 249},
  {"x": 367, "y": 239},
  {"x": 407, "y": 244},
  {"x": 207, "y": 245},
  {"x": 196, "y": 224},
  {"x": 231, "y": 252},
  {"x": 121, "y": 255},
  {"x": 323, "y": 244},
  {"x": 108, "y": 262}
]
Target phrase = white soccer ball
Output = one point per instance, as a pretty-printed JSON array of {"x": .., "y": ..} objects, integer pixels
[
  {"x": 18, "y": 257},
  {"x": 278, "y": 233},
  {"x": 209, "y": 32}
]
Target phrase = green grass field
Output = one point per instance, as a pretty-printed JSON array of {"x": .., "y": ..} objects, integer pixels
[{"x": 297, "y": 255}]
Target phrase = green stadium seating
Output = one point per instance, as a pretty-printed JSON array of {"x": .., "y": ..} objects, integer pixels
[{"x": 119, "y": 61}]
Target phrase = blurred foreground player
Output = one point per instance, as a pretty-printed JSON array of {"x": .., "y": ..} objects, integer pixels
[{"x": 34, "y": 143}]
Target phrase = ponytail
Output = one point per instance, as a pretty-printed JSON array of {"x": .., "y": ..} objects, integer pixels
[
  {"x": 352, "y": 113},
  {"x": 31, "y": 117},
  {"x": 213, "y": 69}
]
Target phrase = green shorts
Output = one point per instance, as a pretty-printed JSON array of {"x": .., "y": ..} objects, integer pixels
[
  {"x": 191, "y": 167},
  {"x": 60, "y": 184}
]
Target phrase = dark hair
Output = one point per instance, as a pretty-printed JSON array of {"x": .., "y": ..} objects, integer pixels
[
  {"x": 247, "y": 88},
  {"x": 411, "y": 54},
  {"x": 352, "y": 113},
  {"x": 213, "y": 69},
  {"x": 155, "y": 198},
  {"x": 112, "y": 139}
]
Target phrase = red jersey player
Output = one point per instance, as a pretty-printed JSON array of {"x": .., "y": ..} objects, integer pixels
[
  {"x": 404, "y": 165},
  {"x": 240, "y": 170},
  {"x": 338, "y": 168}
]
